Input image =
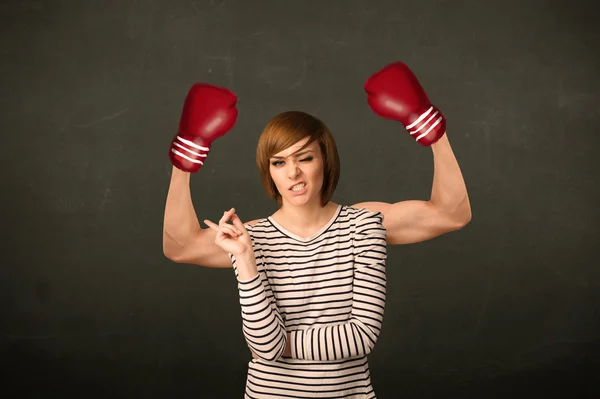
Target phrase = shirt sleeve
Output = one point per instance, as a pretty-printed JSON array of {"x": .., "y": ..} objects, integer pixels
[
  {"x": 357, "y": 336},
  {"x": 262, "y": 324}
]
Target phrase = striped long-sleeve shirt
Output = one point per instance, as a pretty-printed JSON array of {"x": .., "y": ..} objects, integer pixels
[{"x": 328, "y": 291}]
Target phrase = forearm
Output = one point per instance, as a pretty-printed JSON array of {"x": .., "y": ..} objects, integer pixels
[
  {"x": 449, "y": 192},
  {"x": 180, "y": 220},
  {"x": 336, "y": 342},
  {"x": 245, "y": 266},
  {"x": 355, "y": 337},
  {"x": 262, "y": 324}
]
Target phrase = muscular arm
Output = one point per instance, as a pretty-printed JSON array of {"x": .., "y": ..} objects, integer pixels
[
  {"x": 447, "y": 210},
  {"x": 184, "y": 241}
]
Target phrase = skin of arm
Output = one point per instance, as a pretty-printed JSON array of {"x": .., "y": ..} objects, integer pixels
[
  {"x": 448, "y": 208},
  {"x": 184, "y": 241}
]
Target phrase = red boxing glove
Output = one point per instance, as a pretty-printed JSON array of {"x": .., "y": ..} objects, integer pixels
[
  {"x": 208, "y": 113},
  {"x": 395, "y": 93}
]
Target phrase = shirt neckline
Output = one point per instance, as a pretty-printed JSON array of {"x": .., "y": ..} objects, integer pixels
[{"x": 312, "y": 237}]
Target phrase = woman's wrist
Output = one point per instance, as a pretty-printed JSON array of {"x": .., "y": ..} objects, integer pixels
[{"x": 246, "y": 266}]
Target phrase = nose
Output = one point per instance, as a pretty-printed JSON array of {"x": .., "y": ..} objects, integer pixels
[{"x": 293, "y": 170}]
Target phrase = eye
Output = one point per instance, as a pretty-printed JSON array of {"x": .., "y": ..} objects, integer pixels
[
  {"x": 308, "y": 159},
  {"x": 277, "y": 163}
]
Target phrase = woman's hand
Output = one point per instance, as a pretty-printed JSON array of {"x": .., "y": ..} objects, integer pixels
[{"x": 232, "y": 238}]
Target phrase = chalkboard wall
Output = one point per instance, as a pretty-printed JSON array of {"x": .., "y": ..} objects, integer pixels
[{"x": 91, "y": 95}]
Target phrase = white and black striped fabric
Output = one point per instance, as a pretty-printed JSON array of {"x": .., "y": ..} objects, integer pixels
[{"x": 328, "y": 292}]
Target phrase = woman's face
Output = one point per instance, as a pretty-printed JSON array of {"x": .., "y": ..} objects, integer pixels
[{"x": 298, "y": 175}]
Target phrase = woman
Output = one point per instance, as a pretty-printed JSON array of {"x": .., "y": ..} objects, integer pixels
[{"x": 311, "y": 277}]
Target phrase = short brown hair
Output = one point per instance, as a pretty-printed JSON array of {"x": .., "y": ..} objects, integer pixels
[{"x": 285, "y": 130}]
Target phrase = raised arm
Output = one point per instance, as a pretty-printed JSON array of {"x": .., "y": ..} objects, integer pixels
[
  {"x": 357, "y": 336},
  {"x": 184, "y": 241},
  {"x": 208, "y": 113},
  {"x": 448, "y": 208},
  {"x": 395, "y": 93}
]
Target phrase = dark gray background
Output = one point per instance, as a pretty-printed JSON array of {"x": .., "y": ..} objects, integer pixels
[{"x": 91, "y": 94}]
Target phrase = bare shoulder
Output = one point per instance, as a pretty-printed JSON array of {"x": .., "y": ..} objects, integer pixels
[{"x": 253, "y": 222}]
